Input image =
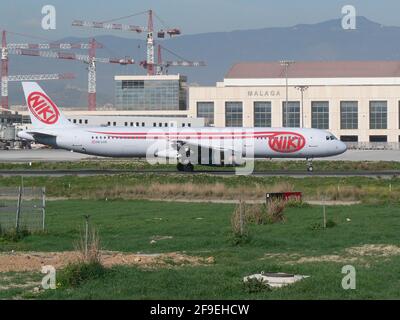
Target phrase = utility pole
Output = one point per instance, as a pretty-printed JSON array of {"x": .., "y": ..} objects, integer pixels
[
  {"x": 302, "y": 89},
  {"x": 286, "y": 64}
]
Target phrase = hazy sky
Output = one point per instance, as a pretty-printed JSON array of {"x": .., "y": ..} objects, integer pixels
[{"x": 192, "y": 16}]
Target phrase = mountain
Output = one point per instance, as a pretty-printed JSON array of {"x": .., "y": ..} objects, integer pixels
[{"x": 321, "y": 41}]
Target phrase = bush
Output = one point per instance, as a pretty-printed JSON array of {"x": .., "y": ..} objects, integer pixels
[
  {"x": 75, "y": 274},
  {"x": 297, "y": 204},
  {"x": 240, "y": 232},
  {"x": 13, "y": 234},
  {"x": 256, "y": 213},
  {"x": 275, "y": 209},
  {"x": 254, "y": 285}
]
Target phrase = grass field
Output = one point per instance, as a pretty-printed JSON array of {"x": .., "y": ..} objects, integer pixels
[
  {"x": 265, "y": 165},
  {"x": 159, "y": 186},
  {"x": 130, "y": 225}
]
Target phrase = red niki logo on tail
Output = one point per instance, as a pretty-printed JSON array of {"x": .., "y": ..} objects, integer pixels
[
  {"x": 43, "y": 108},
  {"x": 287, "y": 142}
]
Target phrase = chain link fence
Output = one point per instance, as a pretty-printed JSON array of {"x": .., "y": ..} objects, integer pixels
[
  {"x": 22, "y": 208},
  {"x": 373, "y": 145}
]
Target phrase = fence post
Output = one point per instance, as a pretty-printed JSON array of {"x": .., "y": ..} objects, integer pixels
[
  {"x": 44, "y": 206},
  {"x": 17, "y": 218},
  {"x": 241, "y": 217}
]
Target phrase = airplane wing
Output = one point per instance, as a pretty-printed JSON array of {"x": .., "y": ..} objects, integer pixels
[{"x": 182, "y": 148}]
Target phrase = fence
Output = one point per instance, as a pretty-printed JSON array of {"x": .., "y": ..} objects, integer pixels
[
  {"x": 22, "y": 208},
  {"x": 373, "y": 145}
]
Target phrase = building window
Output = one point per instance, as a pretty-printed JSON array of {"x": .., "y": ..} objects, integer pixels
[
  {"x": 109, "y": 123},
  {"x": 349, "y": 138},
  {"x": 377, "y": 138},
  {"x": 348, "y": 115},
  {"x": 206, "y": 110},
  {"x": 378, "y": 115},
  {"x": 233, "y": 114},
  {"x": 86, "y": 121},
  {"x": 293, "y": 114},
  {"x": 114, "y": 124},
  {"x": 126, "y": 124},
  {"x": 262, "y": 114},
  {"x": 151, "y": 94},
  {"x": 320, "y": 114},
  {"x": 74, "y": 121},
  {"x": 143, "y": 124}
]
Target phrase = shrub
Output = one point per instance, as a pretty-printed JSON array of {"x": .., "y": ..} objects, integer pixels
[
  {"x": 75, "y": 274},
  {"x": 240, "y": 232},
  {"x": 13, "y": 234},
  {"x": 253, "y": 285},
  {"x": 275, "y": 210},
  {"x": 256, "y": 213},
  {"x": 88, "y": 265}
]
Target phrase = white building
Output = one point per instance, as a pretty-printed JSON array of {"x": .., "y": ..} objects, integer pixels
[{"x": 355, "y": 100}]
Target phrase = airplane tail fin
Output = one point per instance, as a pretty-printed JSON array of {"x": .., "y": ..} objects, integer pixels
[{"x": 43, "y": 111}]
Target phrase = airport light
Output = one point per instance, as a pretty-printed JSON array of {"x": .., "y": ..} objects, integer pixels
[
  {"x": 286, "y": 64},
  {"x": 302, "y": 89}
]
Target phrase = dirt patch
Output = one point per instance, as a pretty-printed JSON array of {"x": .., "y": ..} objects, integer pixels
[
  {"x": 362, "y": 254},
  {"x": 33, "y": 261}
]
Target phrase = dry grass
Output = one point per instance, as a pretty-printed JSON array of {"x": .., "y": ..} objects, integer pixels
[
  {"x": 239, "y": 221},
  {"x": 187, "y": 190},
  {"x": 91, "y": 254}
]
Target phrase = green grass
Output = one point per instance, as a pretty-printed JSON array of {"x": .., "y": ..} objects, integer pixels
[
  {"x": 129, "y": 226},
  {"x": 265, "y": 165},
  {"x": 137, "y": 186}
]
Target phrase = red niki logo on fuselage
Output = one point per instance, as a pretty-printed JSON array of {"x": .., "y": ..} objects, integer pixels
[
  {"x": 286, "y": 142},
  {"x": 43, "y": 108}
]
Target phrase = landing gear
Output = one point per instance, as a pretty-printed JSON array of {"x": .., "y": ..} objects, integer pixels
[
  {"x": 309, "y": 165},
  {"x": 185, "y": 167}
]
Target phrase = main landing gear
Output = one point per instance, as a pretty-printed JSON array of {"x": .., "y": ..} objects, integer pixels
[
  {"x": 185, "y": 167},
  {"x": 309, "y": 165}
]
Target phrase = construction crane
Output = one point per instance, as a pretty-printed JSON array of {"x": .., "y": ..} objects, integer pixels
[
  {"x": 90, "y": 59},
  {"x": 6, "y": 47},
  {"x": 150, "y": 63},
  {"x": 162, "y": 66},
  {"x": 41, "y": 77}
]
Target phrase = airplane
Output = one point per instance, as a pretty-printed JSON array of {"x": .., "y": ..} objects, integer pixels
[{"x": 223, "y": 146}]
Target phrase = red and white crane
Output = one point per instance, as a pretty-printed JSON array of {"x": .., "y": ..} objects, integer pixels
[
  {"x": 12, "y": 48},
  {"x": 90, "y": 59},
  {"x": 150, "y": 63}
]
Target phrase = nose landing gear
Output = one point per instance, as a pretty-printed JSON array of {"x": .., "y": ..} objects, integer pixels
[
  {"x": 185, "y": 167},
  {"x": 309, "y": 165}
]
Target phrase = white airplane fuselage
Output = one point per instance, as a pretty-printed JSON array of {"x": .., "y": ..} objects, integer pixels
[
  {"x": 51, "y": 127},
  {"x": 136, "y": 142}
]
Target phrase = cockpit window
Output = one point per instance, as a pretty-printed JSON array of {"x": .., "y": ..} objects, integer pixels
[{"x": 331, "y": 137}]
